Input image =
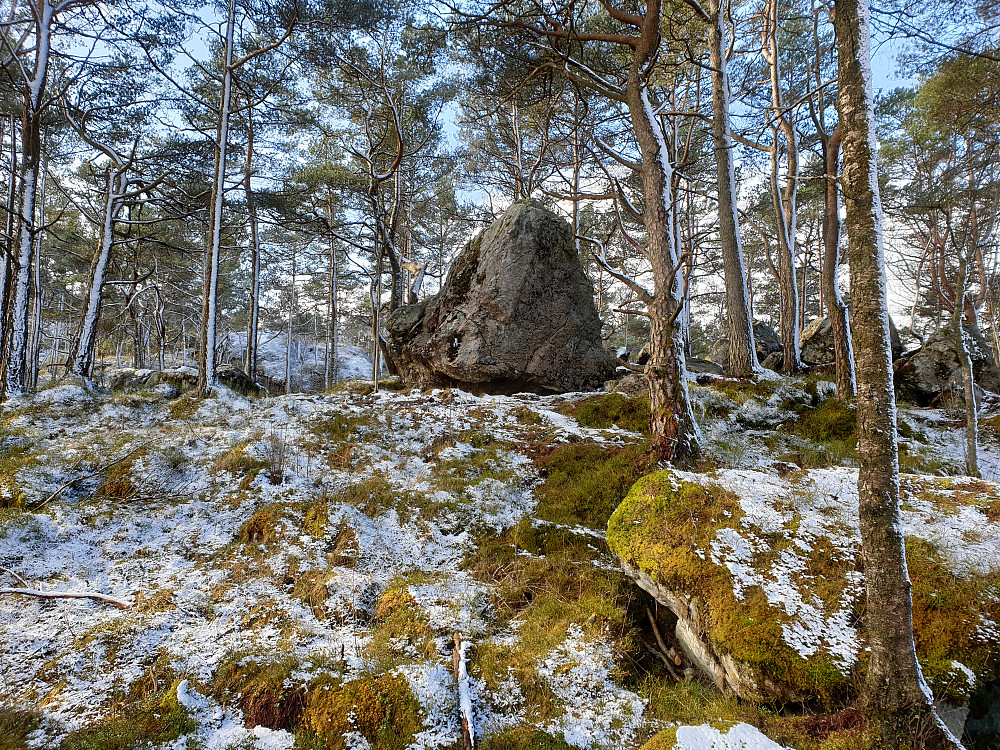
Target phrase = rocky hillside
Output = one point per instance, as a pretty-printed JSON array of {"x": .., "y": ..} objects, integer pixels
[{"x": 297, "y": 571}]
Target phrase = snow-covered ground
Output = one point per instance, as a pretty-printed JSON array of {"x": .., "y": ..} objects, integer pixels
[
  {"x": 179, "y": 547},
  {"x": 308, "y": 359}
]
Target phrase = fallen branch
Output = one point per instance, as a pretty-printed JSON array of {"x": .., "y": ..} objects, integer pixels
[
  {"x": 99, "y": 470},
  {"x": 666, "y": 655},
  {"x": 69, "y": 595},
  {"x": 464, "y": 698}
]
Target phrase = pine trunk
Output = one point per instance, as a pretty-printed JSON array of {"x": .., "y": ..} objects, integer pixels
[
  {"x": 836, "y": 307},
  {"x": 674, "y": 432},
  {"x": 739, "y": 329},
  {"x": 898, "y": 701}
]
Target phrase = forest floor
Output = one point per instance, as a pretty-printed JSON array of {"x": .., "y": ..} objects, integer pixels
[{"x": 294, "y": 570}]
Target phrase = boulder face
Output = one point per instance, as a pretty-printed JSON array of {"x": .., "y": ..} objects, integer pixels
[
  {"x": 766, "y": 339},
  {"x": 816, "y": 342},
  {"x": 930, "y": 371},
  {"x": 516, "y": 313}
]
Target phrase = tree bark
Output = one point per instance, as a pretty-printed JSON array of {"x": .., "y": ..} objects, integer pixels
[
  {"x": 739, "y": 327},
  {"x": 250, "y": 360},
  {"x": 674, "y": 431},
  {"x": 81, "y": 355},
  {"x": 15, "y": 363},
  {"x": 968, "y": 378},
  {"x": 209, "y": 310},
  {"x": 835, "y": 305},
  {"x": 897, "y": 701}
]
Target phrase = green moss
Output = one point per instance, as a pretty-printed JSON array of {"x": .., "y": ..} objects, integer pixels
[
  {"x": 661, "y": 527},
  {"x": 947, "y": 610},
  {"x": 262, "y": 687},
  {"x": 741, "y": 391},
  {"x": 585, "y": 482},
  {"x": 15, "y": 726},
  {"x": 525, "y": 738},
  {"x": 400, "y": 624},
  {"x": 528, "y": 416},
  {"x": 142, "y": 715},
  {"x": 665, "y": 740},
  {"x": 382, "y": 708},
  {"x": 601, "y": 412},
  {"x": 486, "y": 462},
  {"x": 17, "y": 452}
]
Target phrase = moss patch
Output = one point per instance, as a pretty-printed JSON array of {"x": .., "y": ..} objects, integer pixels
[
  {"x": 525, "y": 738},
  {"x": 382, "y": 708},
  {"x": 613, "y": 409},
  {"x": 661, "y": 528},
  {"x": 262, "y": 687},
  {"x": 146, "y": 713},
  {"x": 585, "y": 482},
  {"x": 666, "y": 526},
  {"x": 15, "y": 726}
]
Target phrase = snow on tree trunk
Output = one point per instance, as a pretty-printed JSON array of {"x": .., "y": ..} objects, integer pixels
[
  {"x": 965, "y": 360},
  {"x": 31, "y": 146},
  {"x": 674, "y": 432},
  {"x": 81, "y": 360},
  {"x": 253, "y": 323},
  {"x": 209, "y": 312},
  {"x": 898, "y": 700},
  {"x": 739, "y": 329}
]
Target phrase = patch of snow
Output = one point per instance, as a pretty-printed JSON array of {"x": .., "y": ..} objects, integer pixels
[{"x": 738, "y": 737}]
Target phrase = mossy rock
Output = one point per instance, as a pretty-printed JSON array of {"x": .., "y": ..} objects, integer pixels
[
  {"x": 770, "y": 583},
  {"x": 381, "y": 707},
  {"x": 614, "y": 409},
  {"x": 262, "y": 688}
]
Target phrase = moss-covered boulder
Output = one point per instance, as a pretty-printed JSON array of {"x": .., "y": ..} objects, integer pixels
[{"x": 763, "y": 574}]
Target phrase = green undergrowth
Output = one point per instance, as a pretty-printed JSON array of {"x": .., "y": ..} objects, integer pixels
[
  {"x": 15, "y": 727},
  {"x": 381, "y": 707},
  {"x": 147, "y": 712},
  {"x": 487, "y": 461},
  {"x": 585, "y": 482},
  {"x": 660, "y": 529},
  {"x": 611, "y": 410},
  {"x": 666, "y": 526},
  {"x": 262, "y": 686},
  {"x": 524, "y": 738}
]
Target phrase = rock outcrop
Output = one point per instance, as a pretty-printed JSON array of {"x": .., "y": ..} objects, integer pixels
[
  {"x": 816, "y": 342},
  {"x": 925, "y": 375},
  {"x": 516, "y": 313},
  {"x": 766, "y": 340},
  {"x": 762, "y": 575}
]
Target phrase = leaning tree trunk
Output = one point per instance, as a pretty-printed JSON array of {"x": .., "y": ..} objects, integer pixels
[
  {"x": 837, "y": 308},
  {"x": 897, "y": 700},
  {"x": 739, "y": 329},
  {"x": 674, "y": 431},
  {"x": 81, "y": 356}
]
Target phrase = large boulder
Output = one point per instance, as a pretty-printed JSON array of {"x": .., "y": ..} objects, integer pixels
[
  {"x": 516, "y": 313},
  {"x": 816, "y": 342},
  {"x": 923, "y": 376},
  {"x": 766, "y": 340}
]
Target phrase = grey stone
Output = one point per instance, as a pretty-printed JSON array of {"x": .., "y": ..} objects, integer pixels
[
  {"x": 924, "y": 376},
  {"x": 516, "y": 313}
]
